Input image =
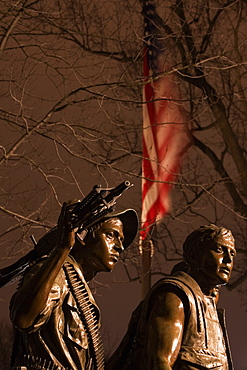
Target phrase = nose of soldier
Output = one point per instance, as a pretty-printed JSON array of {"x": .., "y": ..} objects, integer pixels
[{"x": 119, "y": 245}]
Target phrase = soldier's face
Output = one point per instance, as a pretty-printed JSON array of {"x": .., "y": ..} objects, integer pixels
[
  {"x": 107, "y": 245},
  {"x": 216, "y": 262}
]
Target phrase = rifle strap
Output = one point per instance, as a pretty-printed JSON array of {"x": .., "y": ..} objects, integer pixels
[{"x": 87, "y": 314}]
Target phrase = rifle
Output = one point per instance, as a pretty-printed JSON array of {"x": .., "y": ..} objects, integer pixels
[{"x": 83, "y": 214}]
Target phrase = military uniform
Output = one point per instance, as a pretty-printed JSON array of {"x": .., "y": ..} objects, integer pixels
[
  {"x": 58, "y": 335},
  {"x": 204, "y": 344}
]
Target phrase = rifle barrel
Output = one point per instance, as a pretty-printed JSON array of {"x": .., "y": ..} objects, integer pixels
[{"x": 118, "y": 190}]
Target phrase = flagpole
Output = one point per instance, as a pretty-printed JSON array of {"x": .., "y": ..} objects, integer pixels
[{"x": 147, "y": 253}]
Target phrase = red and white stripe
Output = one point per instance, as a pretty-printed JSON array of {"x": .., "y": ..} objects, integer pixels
[{"x": 162, "y": 127}]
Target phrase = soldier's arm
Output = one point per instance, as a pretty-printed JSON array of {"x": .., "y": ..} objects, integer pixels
[
  {"x": 31, "y": 298},
  {"x": 165, "y": 330}
]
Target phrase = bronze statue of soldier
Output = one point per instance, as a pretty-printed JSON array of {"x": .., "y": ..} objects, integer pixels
[
  {"x": 53, "y": 311},
  {"x": 178, "y": 326}
]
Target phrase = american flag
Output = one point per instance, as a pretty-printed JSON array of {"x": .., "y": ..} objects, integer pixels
[{"x": 162, "y": 122}]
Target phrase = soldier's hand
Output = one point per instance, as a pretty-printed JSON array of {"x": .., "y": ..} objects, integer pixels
[{"x": 66, "y": 233}]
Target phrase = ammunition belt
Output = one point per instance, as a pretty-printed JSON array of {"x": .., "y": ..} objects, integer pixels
[
  {"x": 36, "y": 363},
  {"x": 87, "y": 315}
]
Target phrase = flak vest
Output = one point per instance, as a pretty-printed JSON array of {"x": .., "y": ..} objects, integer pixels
[
  {"x": 205, "y": 343},
  {"x": 66, "y": 334}
]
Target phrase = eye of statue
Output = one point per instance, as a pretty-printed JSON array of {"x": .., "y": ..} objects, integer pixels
[
  {"x": 110, "y": 234},
  {"x": 218, "y": 248}
]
